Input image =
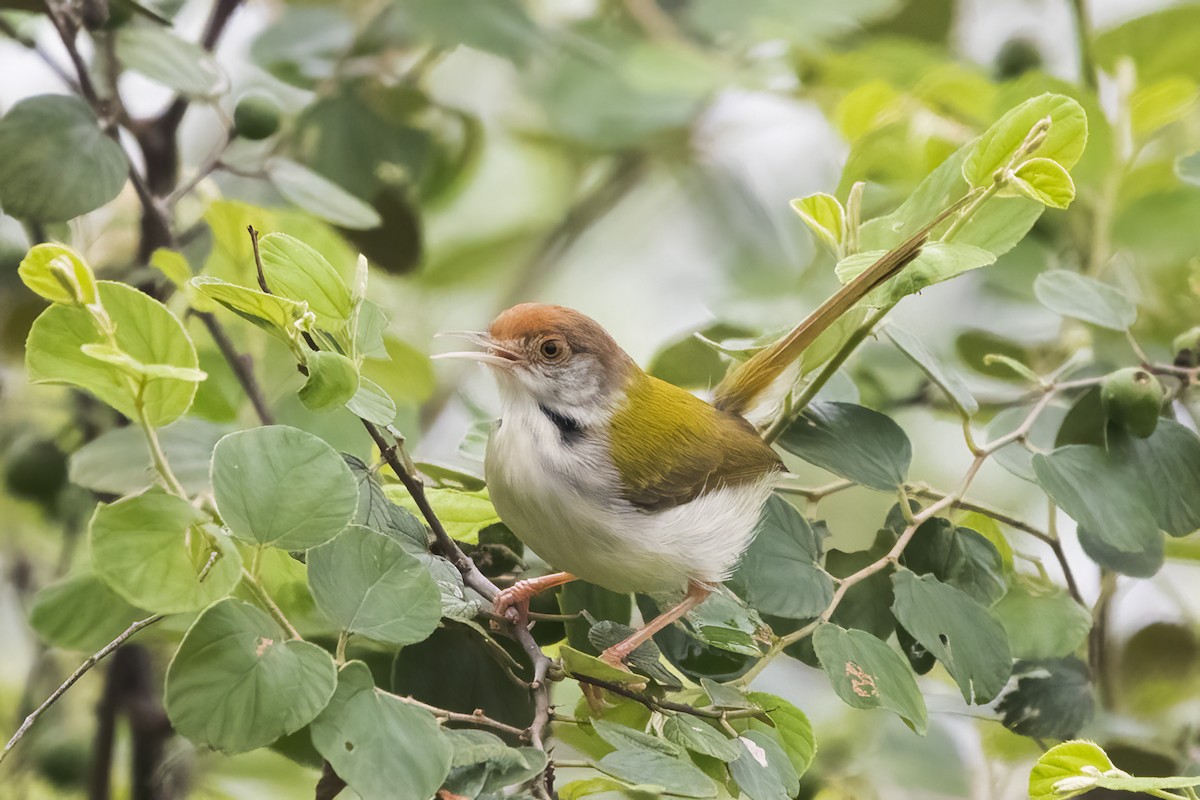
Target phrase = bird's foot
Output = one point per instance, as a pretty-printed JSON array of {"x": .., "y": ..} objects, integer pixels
[{"x": 512, "y": 604}]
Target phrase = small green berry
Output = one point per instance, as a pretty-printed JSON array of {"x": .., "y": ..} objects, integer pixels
[
  {"x": 1187, "y": 348},
  {"x": 1133, "y": 397},
  {"x": 256, "y": 118}
]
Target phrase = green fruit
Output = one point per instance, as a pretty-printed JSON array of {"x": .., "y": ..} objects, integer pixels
[
  {"x": 255, "y": 118},
  {"x": 1132, "y": 397},
  {"x": 35, "y": 469},
  {"x": 1187, "y": 348}
]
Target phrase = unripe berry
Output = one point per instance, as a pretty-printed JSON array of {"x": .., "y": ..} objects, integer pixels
[
  {"x": 255, "y": 118},
  {"x": 1133, "y": 397}
]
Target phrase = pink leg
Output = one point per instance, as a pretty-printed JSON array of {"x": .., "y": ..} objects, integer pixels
[
  {"x": 616, "y": 654},
  {"x": 513, "y": 603}
]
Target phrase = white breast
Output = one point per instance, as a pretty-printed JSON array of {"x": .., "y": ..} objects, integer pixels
[{"x": 559, "y": 499}]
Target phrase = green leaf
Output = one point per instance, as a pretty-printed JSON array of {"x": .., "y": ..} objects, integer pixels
[
  {"x": 1042, "y": 620},
  {"x": 780, "y": 572},
  {"x": 763, "y": 771},
  {"x": 332, "y": 381},
  {"x": 1188, "y": 168},
  {"x": 1094, "y": 488},
  {"x": 382, "y": 747},
  {"x": 1166, "y": 466},
  {"x": 939, "y": 261},
  {"x": 866, "y": 673},
  {"x": 173, "y": 265},
  {"x": 700, "y": 737},
  {"x": 164, "y": 58},
  {"x": 81, "y": 613},
  {"x": 957, "y": 556},
  {"x": 727, "y": 623},
  {"x": 136, "y": 369},
  {"x": 118, "y": 461},
  {"x": 601, "y": 604},
  {"x": 277, "y": 315},
  {"x": 146, "y": 331},
  {"x": 1052, "y": 698},
  {"x": 281, "y": 486},
  {"x": 1068, "y": 770},
  {"x": 154, "y": 548},
  {"x": 367, "y": 584},
  {"x": 1064, "y": 142},
  {"x": 576, "y": 662},
  {"x": 825, "y": 217},
  {"x": 1074, "y": 295},
  {"x": 590, "y": 786},
  {"x": 297, "y": 271},
  {"x": 621, "y": 736},
  {"x": 501, "y": 27},
  {"x": 58, "y": 274},
  {"x": 1156, "y": 105},
  {"x": 1045, "y": 181},
  {"x": 948, "y": 380},
  {"x": 1155, "y": 42},
  {"x": 463, "y": 514},
  {"x": 58, "y": 162},
  {"x": 643, "y": 765},
  {"x": 483, "y": 764},
  {"x": 791, "y": 725},
  {"x": 645, "y": 660},
  {"x": 963, "y": 635},
  {"x": 372, "y": 403},
  {"x": 379, "y": 513},
  {"x": 238, "y": 683},
  {"x": 320, "y": 196},
  {"x": 851, "y": 441},
  {"x": 1016, "y": 457}
]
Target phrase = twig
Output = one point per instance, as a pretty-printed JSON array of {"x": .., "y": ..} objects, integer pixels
[
  {"x": 816, "y": 493},
  {"x": 241, "y": 366},
  {"x": 656, "y": 704},
  {"x": 82, "y": 670},
  {"x": 1048, "y": 537},
  {"x": 261, "y": 595},
  {"x": 67, "y": 31},
  {"x": 1083, "y": 32},
  {"x": 475, "y": 718}
]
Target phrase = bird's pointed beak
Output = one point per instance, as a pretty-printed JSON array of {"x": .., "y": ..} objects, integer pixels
[{"x": 493, "y": 353}]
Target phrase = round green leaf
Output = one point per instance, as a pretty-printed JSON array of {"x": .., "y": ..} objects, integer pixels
[
  {"x": 372, "y": 403},
  {"x": 146, "y": 331},
  {"x": 165, "y": 58},
  {"x": 791, "y": 725},
  {"x": 1042, "y": 621},
  {"x": 1064, "y": 142},
  {"x": 1052, "y": 699},
  {"x": 463, "y": 514},
  {"x": 238, "y": 683},
  {"x": 297, "y": 271},
  {"x": 332, "y": 381},
  {"x": 866, "y": 673},
  {"x": 948, "y": 380},
  {"x": 700, "y": 737},
  {"x": 58, "y": 164},
  {"x": 1045, "y": 181},
  {"x": 959, "y": 632},
  {"x": 959, "y": 557},
  {"x": 59, "y": 274},
  {"x": 81, "y": 613},
  {"x": 653, "y": 767},
  {"x": 780, "y": 572},
  {"x": 366, "y": 583},
  {"x": 1074, "y": 295},
  {"x": 763, "y": 771},
  {"x": 382, "y": 747},
  {"x": 1065, "y": 762},
  {"x": 281, "y": 486},
  {"x": 851, "y": 441},
  {"x": 152, "y": 550},
  {"x": 937, "y": 262},
  {"x": 320, "y": 196}
]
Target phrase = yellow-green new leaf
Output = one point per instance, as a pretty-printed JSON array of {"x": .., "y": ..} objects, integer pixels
[
  {"x": 122, "y": 360},
  {"x": 824, "y": 216},
  {"x": 59, "y": 274},
  {"x": 277, "y": 315},
  {"x": 172, "y": 264},
  {"x": 1067, "y": 770},
  {"x": 1064, "y": 140},
  {"x": 1159, "y": 104},
  {"x": 297, "y": 271},
  {"x": 1045, "y": 181}
]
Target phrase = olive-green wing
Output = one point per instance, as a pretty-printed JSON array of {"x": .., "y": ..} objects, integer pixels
[{"x": 670, "y": 447}]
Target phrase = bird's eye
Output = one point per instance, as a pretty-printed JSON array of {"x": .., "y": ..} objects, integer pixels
[{"x": 551, "y": 348}]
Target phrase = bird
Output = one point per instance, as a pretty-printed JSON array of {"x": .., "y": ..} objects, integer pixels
[{"x": 618, "y": 478}]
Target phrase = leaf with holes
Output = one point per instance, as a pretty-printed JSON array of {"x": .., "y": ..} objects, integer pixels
[{"x": 866, "y": 673}]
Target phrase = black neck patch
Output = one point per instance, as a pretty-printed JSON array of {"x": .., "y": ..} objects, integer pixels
[{"x": 569, "y": 429}]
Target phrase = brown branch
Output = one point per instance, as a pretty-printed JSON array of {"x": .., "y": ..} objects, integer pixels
[
  {"x": 657, "y": 704},
  {"x": 475, "y": 718},
  {"x": 80, "y": 671}
]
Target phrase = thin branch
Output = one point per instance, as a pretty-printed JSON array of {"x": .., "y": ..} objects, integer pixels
[
  {"x": 657, "y": 704},
  {"x": 67, "y": 30},
  {"x": 475, "y": 718},
  {"x": 260, "y": 594},
  {"x": 82, "y": 670},
  {"x": 816, "y": 493},
  {"x": 241, "y": 366}
]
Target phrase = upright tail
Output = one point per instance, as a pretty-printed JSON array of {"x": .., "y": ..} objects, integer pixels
[{"x": 743, "y": 384}]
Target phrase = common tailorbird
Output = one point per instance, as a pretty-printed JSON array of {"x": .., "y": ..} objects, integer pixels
[{"x": 619, "y": 478}]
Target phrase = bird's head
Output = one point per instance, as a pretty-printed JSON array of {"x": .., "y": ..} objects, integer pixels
[{"x": 552, "y": 355}]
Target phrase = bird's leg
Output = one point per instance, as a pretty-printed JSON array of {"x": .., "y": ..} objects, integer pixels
[
  {"x": 615, "y": 655},
  {"x": 513, "y": 603}
]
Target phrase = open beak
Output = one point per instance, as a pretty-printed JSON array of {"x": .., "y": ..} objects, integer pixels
[{"x": 493, "y": 353}]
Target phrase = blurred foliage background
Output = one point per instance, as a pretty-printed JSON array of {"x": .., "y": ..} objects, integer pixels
[{"x": 634, "y": 160}]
